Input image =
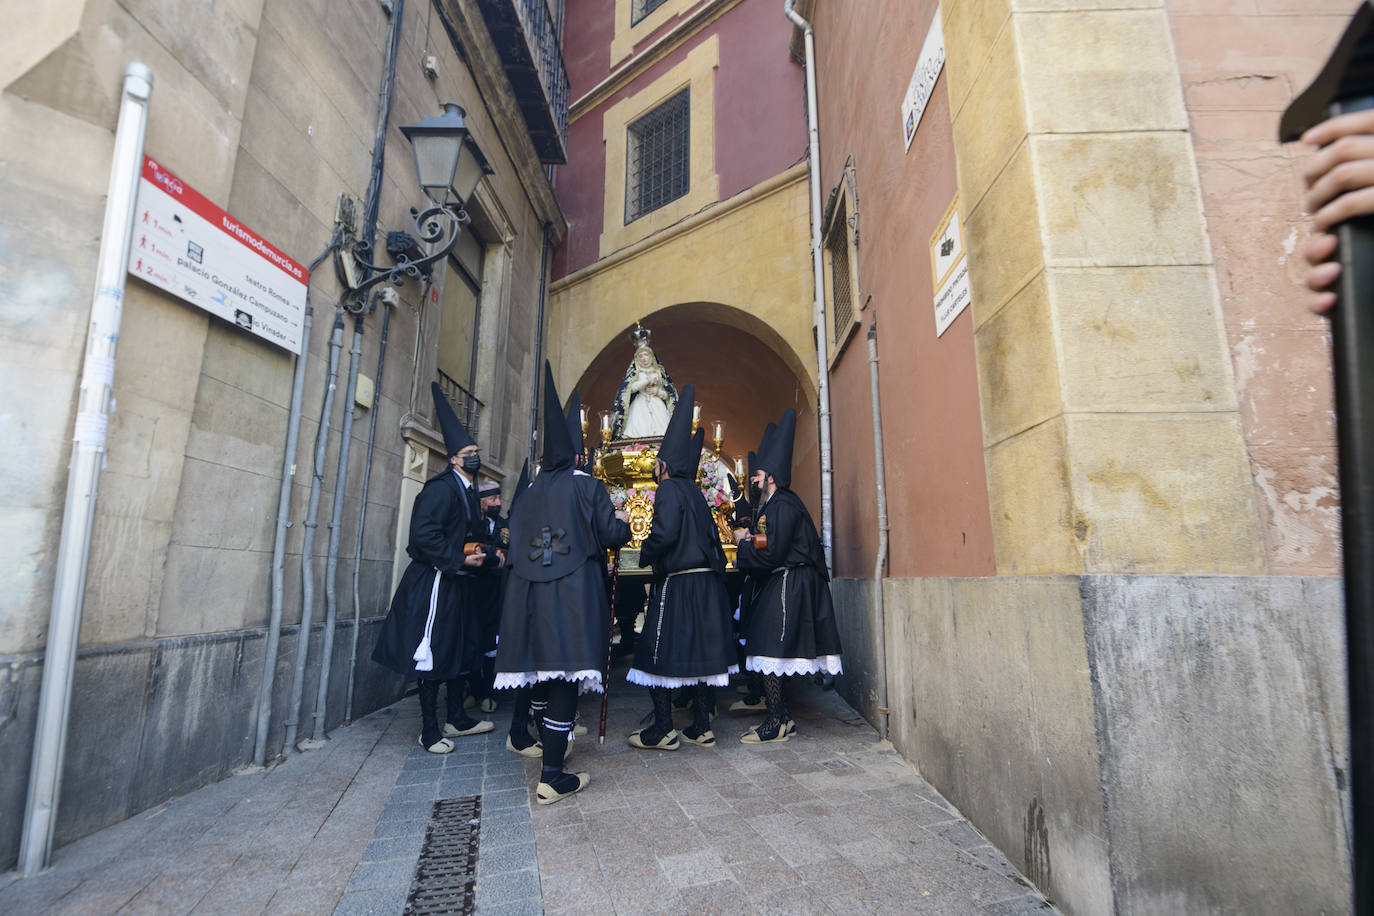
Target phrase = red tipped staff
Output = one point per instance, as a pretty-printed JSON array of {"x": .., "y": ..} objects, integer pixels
[{"x": 606, "y": 673}]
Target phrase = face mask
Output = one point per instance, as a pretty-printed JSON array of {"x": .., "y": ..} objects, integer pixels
[
  {"x": 471, "y": 463},
  {"x": 493, "y": 512}
]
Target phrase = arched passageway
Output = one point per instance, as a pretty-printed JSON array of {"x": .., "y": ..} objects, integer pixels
[{"x": 740, "y": 378}]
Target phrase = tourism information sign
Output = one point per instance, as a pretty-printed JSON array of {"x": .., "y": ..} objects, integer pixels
[
  {"x": 186, "y": 245},
  {"x": 949, "y": 269}
]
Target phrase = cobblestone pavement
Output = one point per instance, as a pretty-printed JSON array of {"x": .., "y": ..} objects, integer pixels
[{"x": 831, "y": 821}]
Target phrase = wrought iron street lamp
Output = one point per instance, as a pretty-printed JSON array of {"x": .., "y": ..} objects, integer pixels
[{"x": 448, "y": 165}]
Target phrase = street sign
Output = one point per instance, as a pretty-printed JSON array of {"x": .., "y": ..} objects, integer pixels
[
  {"x": 928, "y": 67},
  {"x": 186, "y": 245}
]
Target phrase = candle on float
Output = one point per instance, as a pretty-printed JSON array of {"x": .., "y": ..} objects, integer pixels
[
  {"x": 739, "y": 467},
  {"x": 718, "y": 429},
  {"x": 605, "y": 419}
]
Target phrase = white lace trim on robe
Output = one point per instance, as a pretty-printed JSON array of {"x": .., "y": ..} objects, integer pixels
[
  {"x": 588, "y": 680},
  {"x": 764, "y": 664},
  {"x": 644, "y": 678}
]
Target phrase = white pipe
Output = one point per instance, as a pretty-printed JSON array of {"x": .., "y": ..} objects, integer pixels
[
  {"x": 818, "y": 276},
  {"x": 88, "y": 450},
  {"x": 879, "y": 611}
]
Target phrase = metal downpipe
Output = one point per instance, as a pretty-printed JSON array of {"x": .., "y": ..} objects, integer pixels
[
  {"x": 288, "y": 476},
  {"x": 312, "y": 513},
  {"x": 387, "y": 303},
  {"x": 83, "y": 478},
  {"x": 331, "y": 603},
  {"x": 818, "y": 278},
  {"x": 880, "y": 560}
]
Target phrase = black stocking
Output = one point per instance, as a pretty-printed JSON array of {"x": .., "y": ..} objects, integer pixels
[
  {"x": 558, "y": 724},
  {"x": 520, "y": 719},
  {"x": 662, "y": 698},
  {"x": 776, "y": 701},
  {"x": 703, "y": 708},
  {"x": 456, "y": 692},
  {"x": 429, "y": 712}
]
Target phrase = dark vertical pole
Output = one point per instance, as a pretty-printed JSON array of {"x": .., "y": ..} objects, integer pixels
[{"x": 1352, "y": 345}]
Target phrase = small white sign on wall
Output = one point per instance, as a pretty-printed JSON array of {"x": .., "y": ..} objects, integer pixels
[
  {"x": 928, "y": 67},
  {"x": 949, "y": 269}
]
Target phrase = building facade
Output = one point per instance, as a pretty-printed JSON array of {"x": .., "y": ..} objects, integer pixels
[
  {"x": 271, "y": 110},
  {"x": 1113, "y": 624},
  {"x": 686, "y": 199}
]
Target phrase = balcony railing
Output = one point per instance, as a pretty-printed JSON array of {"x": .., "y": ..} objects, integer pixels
[
  {"x": 468, "y": 408},
  {"x": 526, "y": 37}
]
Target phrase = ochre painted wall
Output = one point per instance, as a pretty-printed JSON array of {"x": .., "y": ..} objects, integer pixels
[
  {"x": 933, "y": 446},
  {"x": 1240, "y": 68}
]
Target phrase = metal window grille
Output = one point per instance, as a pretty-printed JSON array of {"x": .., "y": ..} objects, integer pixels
[
  {"x": 657, "y": 162},
  {"x": 841, "y": 293},
  {"x": 643, "y": 8},
  {"x": 467, "y": 407}
]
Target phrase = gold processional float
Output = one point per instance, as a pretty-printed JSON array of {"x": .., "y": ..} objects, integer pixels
[
  {"x": 630, "y": 435},
  {"x": 626, "y": 467}
]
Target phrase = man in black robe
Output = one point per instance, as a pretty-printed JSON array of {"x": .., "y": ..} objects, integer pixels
[
  {"x": 687, "y": 630},
  {"x": 431, "y": 632},
  {"x": 494, "y": 536},
  {"x": 555, "y": 621},
  {"x": 791, "y": 626},
  {"x": 742, "y": 590}
]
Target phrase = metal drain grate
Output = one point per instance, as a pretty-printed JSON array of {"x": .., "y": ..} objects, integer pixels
[{"x": 447, "y": 872}]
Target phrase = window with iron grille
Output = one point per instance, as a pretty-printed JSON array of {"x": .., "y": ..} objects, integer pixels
[
  {"x": 656, "y": 160},
  {"x": 841, "y": 293},
  {"x": 643, "y": 8}
]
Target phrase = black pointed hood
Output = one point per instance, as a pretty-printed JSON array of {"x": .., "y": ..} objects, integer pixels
[
  {"x": 575, "y": 423},
  {"x": 558, "y": 447},
  {"x": 775, "y": 455},
  {"x": 520, "y": 485},
  {"x": 698, "y": 442},
  {"x": 752, "y": 465},
  {"x": 676, "y": 448},
  {"x": 456, "y": 436}
]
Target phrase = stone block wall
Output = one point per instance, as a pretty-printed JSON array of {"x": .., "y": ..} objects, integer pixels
[{"x": 1135, "y": 744}]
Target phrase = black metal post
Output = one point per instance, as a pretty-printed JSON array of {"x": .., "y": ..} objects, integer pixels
[{"x": 1344, "y": 85}]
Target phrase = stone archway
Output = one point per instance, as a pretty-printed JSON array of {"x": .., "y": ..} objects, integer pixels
[{"x": 740, "y": 377}]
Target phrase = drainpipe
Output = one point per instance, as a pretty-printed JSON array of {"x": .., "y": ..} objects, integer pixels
[
  {"x": 331, "y": 603},
  {"x": 879, "y": 612},
  {"x": 94, "y": 399},
  {"x": 539, "y": 336},
  {"x": 288, "y": 476},
  {"x": 387, "y": 297},
  {"x": 818, "y": 276},
  {"x": 312, "y": 513}
]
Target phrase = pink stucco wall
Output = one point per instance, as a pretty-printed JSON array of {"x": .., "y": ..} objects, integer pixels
[
  {"x": 1242, "y": 62},
  {"x": 760, "y": 114}
]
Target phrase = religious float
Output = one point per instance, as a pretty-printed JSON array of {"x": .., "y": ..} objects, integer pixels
[{"x": 630, "y": 434}]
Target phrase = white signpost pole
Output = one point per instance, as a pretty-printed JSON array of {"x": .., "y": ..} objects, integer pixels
[{"x": 88, "y": 452}]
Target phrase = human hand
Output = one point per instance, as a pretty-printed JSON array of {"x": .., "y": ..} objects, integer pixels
[
  {"x": 740, "y": 534},
  {"x": 474, "y": 559},
  {"x": 622, "y": 515},
  {"x": 1340, "y": 186}
]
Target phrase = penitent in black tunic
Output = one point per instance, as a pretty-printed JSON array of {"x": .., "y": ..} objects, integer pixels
[
  {"x": 687, "y": 636},
  {"x": 439, "y": 525},
  {"x": 791, "y": 627},
  {"x": 555, "y": 613}
]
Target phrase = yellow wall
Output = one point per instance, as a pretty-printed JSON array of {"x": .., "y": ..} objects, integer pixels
[{"x": 750, "y": 254}]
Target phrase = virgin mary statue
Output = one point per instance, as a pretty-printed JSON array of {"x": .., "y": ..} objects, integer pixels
[{"x": 646, "y": 396}]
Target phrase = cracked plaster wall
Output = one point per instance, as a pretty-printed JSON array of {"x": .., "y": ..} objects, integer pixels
[{"x": 1241, "y": 64}]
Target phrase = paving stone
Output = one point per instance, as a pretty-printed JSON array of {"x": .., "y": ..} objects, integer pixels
[
  {"x": 385, "y": 849},
  {"x": 528, "y": 907},
  {"x": 373, "y": 875},
  {"x": 507, "y": 888},
  {"x": 1026, "y": 905},
  {"x": 496, "y": 860},
  {"x": 506, "y": 798},
  {"x": 460, "y": 788},
  {"x": 389, "y": 902}
]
